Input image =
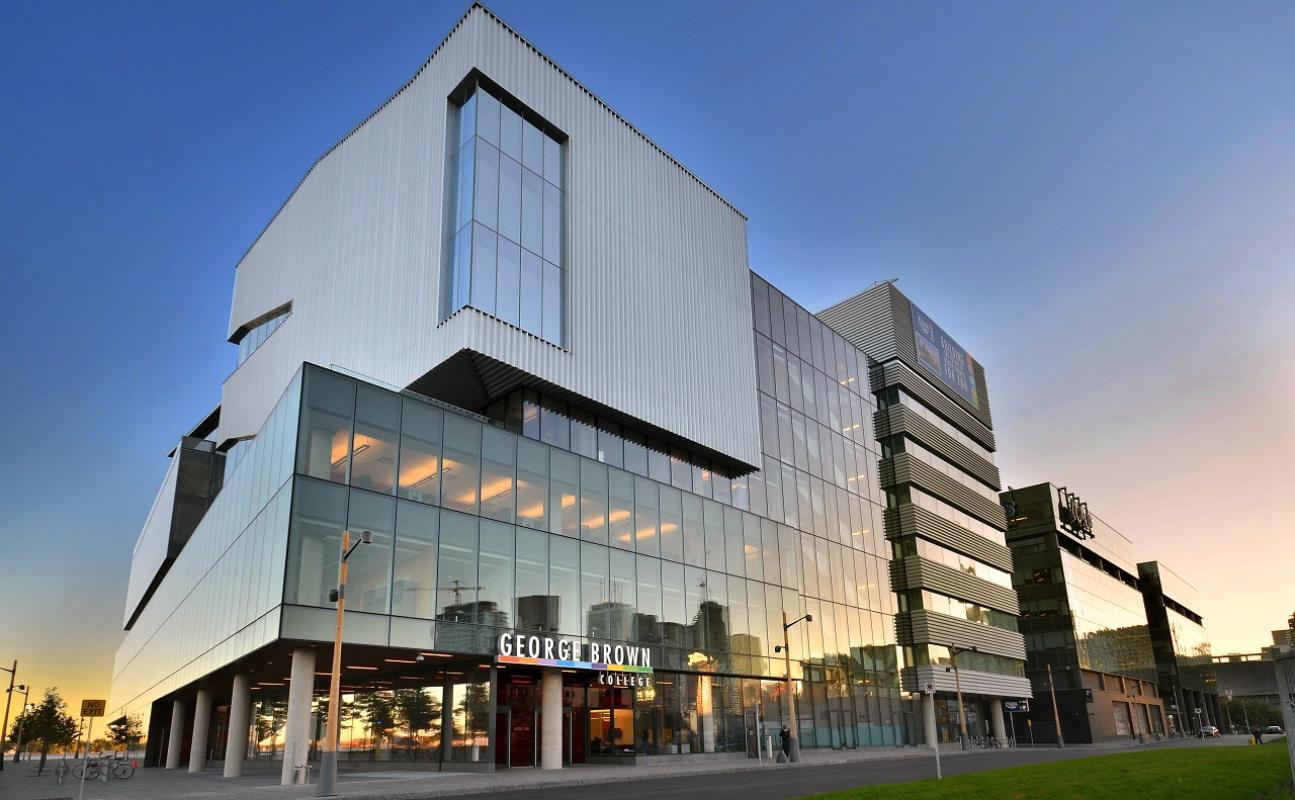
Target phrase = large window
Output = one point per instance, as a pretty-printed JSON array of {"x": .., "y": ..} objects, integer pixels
[{"x": 506, "y": 250}]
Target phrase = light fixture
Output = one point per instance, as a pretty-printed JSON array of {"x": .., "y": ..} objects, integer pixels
[
  {"x": 367, "y": 669},
  {"x": 400, "y": 661}
]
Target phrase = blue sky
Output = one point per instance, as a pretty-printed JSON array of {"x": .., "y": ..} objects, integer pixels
[{"x": 1096, "y": 199}]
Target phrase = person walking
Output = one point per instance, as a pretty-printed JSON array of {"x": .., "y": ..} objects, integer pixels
[
  {"x": 785, "y": 735},
  {"x": 1259, "y": 736}
]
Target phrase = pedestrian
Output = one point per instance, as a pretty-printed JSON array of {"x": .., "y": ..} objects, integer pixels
[
  {"x": 1259, "y": 736},
  {"x": 785, "y": 735}
]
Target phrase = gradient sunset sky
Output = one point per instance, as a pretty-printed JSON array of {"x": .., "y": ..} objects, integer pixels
[{"x": 1096, "y": 199}]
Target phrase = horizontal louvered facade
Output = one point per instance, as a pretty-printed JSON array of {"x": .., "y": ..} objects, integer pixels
[{"x": 936, "y": 435}]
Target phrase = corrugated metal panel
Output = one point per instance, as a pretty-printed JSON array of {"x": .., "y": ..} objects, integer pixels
[
  {"x": 896, "y": 373},
  {"x": 972, "y": 682},
  {"x": 657, "y": 285},
  {"x": 903, "y": 468},
  {"x": 891, "y": 336},
  {"x": 922, "y": 626},
  {"x": 898, "y": 419},
  {"x": 914, "y": 572},
  {"x": 866, "y": 321},
  {"x": 909, "y": 519}
]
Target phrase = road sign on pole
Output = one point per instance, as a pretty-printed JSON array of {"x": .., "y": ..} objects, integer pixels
[{"x": 93, "y": 708}]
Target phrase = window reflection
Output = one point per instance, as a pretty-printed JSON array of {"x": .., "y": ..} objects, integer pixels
[{"x": 506, "y": 256}]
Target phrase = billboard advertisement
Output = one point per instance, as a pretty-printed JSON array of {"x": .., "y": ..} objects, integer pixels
[{"x": 938, "y": 353}]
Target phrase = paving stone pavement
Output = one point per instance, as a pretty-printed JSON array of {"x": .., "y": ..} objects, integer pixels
[{"x": 18, "y": 782}]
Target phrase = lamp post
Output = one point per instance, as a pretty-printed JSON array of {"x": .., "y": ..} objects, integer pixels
[
  {"x": 794, "y": 755},
  {"x": 1227, "y": 705},
  {"x": 957, "y": 685},
  {"x": 26, "y": 694},
  {"x": 13, "y": 673},
  {"x": 328, "y": 761}
]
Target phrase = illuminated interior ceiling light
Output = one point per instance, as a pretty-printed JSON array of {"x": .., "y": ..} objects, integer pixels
[
  {"x": 400, "y": 661},
  {"x": 495, "y": 488},
  {"x": 436, "y": 655},
  {"x": 360, "y": 667},
  {"x": 358, "y": 450}
]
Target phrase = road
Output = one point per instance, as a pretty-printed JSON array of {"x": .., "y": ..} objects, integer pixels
[{"x": 802, "y": 781}]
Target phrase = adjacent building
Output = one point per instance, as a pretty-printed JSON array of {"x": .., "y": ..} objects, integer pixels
[
  {"x": 956, "y": 620},
  {"x": 1184, "y": 666},
  {"x": 505, "y": 334},
  {"x": 1084, "y": 622}
]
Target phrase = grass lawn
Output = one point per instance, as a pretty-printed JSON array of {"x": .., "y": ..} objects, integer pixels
[{"x": 1208, "y": 773}]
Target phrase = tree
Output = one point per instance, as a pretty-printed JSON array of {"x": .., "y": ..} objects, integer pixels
[
  {"x": 46, "y": 722},
  {"x": 125, "y": 731},
  {"x": 416, "y": 710}
]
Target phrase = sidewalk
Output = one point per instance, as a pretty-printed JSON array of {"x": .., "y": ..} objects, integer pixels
[{"x": 17, "y": 782}]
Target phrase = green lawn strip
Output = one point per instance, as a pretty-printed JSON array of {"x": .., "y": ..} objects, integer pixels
[{"x": 1216, "y": 773}]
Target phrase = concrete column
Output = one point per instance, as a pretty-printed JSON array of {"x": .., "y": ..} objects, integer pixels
[
  {"x": 928, "y": 720},
  {"x": 996, "y": 719},
  {"x": 201, "y": 722},
  {"x": 320, "y": 460},
  {"x": 706, "y": 712},
  {"x": 296, "y": 729},
  {"x": 551, "y": 721},
  {"x": 240, "y": 708},
  {"x": 447, "y": 721},
  {"x": 178, "y": 714}
]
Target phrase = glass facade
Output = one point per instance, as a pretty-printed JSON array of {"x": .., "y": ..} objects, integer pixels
[
  {"x": 550, "y": 520},
  {"x": 505, "y": 255}
]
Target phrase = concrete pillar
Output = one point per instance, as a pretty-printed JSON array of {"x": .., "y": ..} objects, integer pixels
[
  {"x": 447, "y": 721},
  {"x": 996, "y": 719},
  {"x": 201, "y": 722},
  {"x": 706, "y": 712},
  {"x": 296, "y": 729},
  {"x": 177, "y": 734},
  {"x": 928, "y": 720},
  {"x": 551, "y": 719},
  {"x": 320, "y": 458},
  {"x": 240, "y": 708}
]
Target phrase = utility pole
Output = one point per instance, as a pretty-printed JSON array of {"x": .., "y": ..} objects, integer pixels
[
  {"x": 1056, "y": 715},
  {"x": 327, "y": 786},
  {"x": 13, "y": 673}
]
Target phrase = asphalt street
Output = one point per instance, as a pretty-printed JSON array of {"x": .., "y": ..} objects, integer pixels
[{"x": 802, "y": 781}]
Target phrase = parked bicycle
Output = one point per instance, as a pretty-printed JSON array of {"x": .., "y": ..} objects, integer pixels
[{"x": 92, "y": 768}]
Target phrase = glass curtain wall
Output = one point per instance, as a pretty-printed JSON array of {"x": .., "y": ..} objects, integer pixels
[
  {"x": 481, "y": 529},
  {"x": 505, "y": 255}
]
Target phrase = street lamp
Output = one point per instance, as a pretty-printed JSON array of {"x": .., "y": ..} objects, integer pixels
[
  {"x": 794, "y": 755},
  {"x": 13, "y": 673},
  {"x": 328, "y": 762},
  {"x": 957, "y": 685},
  {"x": 26, "y": 694}
]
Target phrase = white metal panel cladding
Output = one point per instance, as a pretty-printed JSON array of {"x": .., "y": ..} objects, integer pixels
[{"x": 658, "y": 320}]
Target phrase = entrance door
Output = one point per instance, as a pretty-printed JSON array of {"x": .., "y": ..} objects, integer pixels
[{"x": 515, "y": 723}]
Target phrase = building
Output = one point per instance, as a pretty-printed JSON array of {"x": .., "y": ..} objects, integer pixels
[
  {"x": 1246, "y": 676},
  {"x": 1184, "y": 665},
  {"x": 951, "y": 570},
  {"x": 1083, "y": 619},
  {"x": 600, "y": 461}
]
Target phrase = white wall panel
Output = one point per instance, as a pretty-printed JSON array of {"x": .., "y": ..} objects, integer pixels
[
  {"x": 657, "y": 296},
  {"x": 154, "y": 540},
  {"x": 220, "y": 599}
]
